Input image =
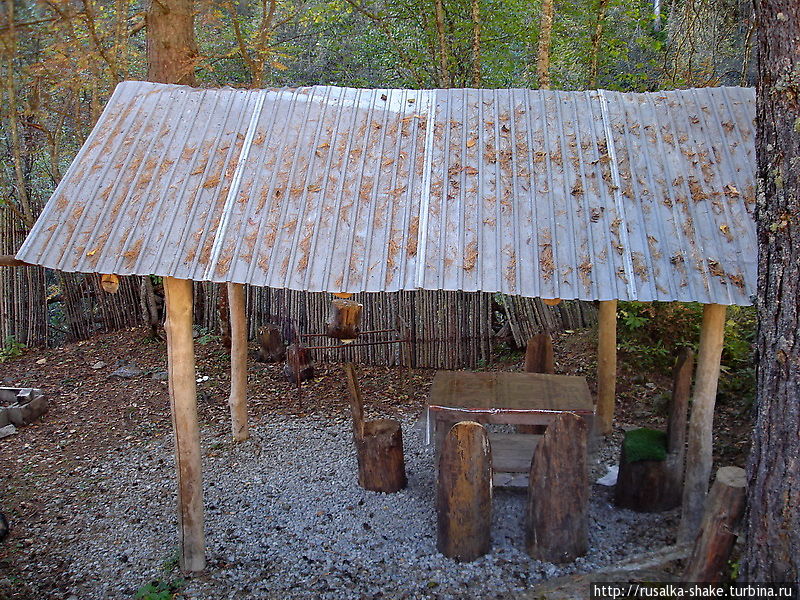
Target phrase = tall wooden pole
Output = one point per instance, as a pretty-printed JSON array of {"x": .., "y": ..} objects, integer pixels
[
  {"x": 183, "y": 404},
  {"x": 698, "y": 457},
  {"x": 606, "y": 364},
  {"x": 238, "y": 397}
]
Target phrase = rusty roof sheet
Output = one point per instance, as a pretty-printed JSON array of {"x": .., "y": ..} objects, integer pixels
[{"x": 587, "y": 195}]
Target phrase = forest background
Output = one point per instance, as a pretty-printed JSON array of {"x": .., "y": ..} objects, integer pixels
[{"x": 60, "y": 61}]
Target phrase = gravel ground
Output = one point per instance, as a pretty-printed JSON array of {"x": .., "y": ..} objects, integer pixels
[{"x": 285, "y": 518}]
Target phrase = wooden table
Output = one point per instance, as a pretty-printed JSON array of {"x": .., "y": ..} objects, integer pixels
[{"x": 506, "y": 398}]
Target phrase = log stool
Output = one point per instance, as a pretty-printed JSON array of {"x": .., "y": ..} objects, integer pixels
[
  {"x": 539, "y": 358},
  {"x": 557, "y": 516},
  {"x": 464, "y": 493},
  {"x": 379, "y": 445},
  {"x": 651, "y": 462}
]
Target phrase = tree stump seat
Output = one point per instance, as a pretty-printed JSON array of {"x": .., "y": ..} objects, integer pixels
[
  {"x": 654, "y": 482},
  {"x": 379, "y": 445}
]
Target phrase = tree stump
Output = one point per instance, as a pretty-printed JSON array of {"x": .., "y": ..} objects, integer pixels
[
  {"x": 299, "y": 366},
  {"x": 379, "y": 445},
  {"x": 345, "y": 319},
  {"x": 538, "y": 359},
  {"x": 645, "y": 484},
  {"x": 724, "y": 508},
  {"x": 676, "y": 421},
  {"x": 464, "y": 493},
  {"x": 271, "y": 348},
  {"x": 557, "y": 523},
  {"x": 539, "y": 354}
]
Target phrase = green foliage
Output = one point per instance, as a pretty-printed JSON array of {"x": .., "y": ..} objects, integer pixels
[
  {"x": 11, "y": 349},
  {"x": 652, "y": 334},
  {"x": 645, "y": 444},
  {"x": 159, "y": 590},
  {"x": 205, "y": 336}
]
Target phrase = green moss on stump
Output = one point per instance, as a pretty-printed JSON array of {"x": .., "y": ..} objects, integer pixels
[{"x": 645, "y": 444}]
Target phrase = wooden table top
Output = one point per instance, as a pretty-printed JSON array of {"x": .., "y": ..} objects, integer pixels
[{"x": 499, "y": 390}]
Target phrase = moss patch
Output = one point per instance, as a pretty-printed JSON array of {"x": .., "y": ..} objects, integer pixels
[{"x": 645, "y": 444}]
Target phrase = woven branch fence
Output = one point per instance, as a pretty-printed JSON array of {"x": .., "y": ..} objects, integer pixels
[{"x": 448, "y": 330}]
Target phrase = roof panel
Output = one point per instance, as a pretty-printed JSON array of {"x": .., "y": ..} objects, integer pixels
[{"x": 588, "y": 195}]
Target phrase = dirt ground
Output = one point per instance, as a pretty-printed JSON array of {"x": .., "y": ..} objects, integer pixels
[{"x": 91, "y": 412}]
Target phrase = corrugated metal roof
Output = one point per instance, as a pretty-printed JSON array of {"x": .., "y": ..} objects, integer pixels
[{"x": 588, "y": 195}]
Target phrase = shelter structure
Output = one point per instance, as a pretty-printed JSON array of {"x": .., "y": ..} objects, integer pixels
[{"x": 560, "y": 195}]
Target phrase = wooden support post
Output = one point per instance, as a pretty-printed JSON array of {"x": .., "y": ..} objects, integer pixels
[
  {"x": 557, "y": 519},
  {"x": 183, "y": 404},
  {"x": 725, "y": 506},
  {"x": 464, "y": 493},
  {"x": 606, "y": 364},
  {"x": 698, "y": 459},
  {"x": 238, "y": 397}
]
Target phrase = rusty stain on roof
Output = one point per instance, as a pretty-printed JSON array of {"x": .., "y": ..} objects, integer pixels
[{"x": 588, "y": 195}]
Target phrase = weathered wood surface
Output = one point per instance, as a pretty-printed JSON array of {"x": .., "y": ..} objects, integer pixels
[
  {"x": 464, "y": 493},
  {"x": 698, "y": 453},
  {"x": 183, "y": 402},
  {"x": 606, "y": 364},
  {"x": 110, "y": 283},
  {"x": 724, "y": 508},
  {"x": 345, "y": 319},
  {"x": 271, "y": 348},
  {"x": 676, "y": 420},
  {"x": 539, "y": 354},
  {"x": 356, "y": 400},
  {"x": 299, "y": 366},
  {"x": 645, "y": 485},
  {"x": 379, "y": 444},
  {"x": 237, "y": 401},
  {"x": 511, "y": 391},
  {"x": 557, "y": 519},
  {"x": 381, "y": 465},
  {"x": 512, "y": 452},
  {"x": 7, "y": 260}
]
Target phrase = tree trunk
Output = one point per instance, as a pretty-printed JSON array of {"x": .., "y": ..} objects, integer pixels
[
  {"x": 545, "y": 38},
  {"x": 224, "y": 316},
  {"x": 597, "y": 38},
  {"x": 171, "y": 48},
  {"x": 772, "y": 522},
  {"x": 476, "y": 43},
  {"x": 445, "y": 79}
]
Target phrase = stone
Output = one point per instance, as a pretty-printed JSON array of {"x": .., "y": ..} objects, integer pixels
[
  {"x": 98, "y": 365},
  {"x": 34, "y": 409},
  {"x": 160, "y": 376},
  {"x": 15, "y": 414},
  {"x": 25, "y": 395},
  {"x": 8, "y": 395},
  {"x": 7, "y": 431},
  {"x": 4, "y": 420},
  {"x": 127, "y": 371}
]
